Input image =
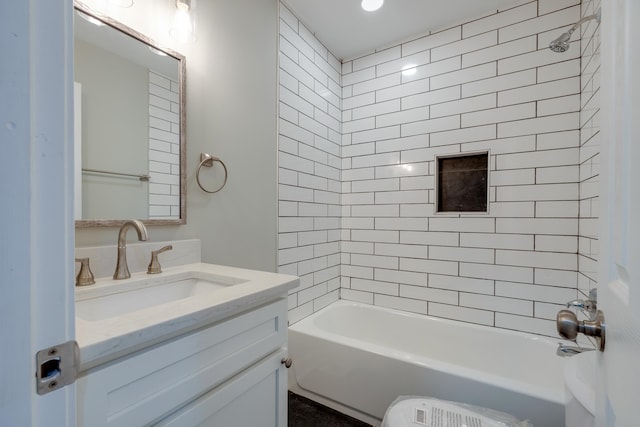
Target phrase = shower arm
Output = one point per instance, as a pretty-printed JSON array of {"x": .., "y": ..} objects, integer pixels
[{"x": 595, "y": 16}]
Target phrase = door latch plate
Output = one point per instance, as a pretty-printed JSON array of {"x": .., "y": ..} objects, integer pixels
[{"x": 57, "y": 366}]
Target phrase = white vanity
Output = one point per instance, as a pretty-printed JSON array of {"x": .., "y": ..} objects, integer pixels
[{"x": 198, "y": 344}]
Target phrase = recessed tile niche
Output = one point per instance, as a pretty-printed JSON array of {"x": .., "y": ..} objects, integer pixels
[{"x": 462, "y": 183}]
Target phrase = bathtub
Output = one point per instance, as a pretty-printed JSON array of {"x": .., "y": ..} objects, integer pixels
[{"x": 358, "y": 358}]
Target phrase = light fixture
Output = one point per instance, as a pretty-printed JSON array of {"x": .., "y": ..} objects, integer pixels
[
  {"x": 121, "y": 3},
  {"x": 184, "y": 5},
  {"x": 371, "y": 5},
  {"x": 182, "y": 28}
]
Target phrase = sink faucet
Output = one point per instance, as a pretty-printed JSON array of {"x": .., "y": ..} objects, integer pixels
[{"x": 122, "y": 269}]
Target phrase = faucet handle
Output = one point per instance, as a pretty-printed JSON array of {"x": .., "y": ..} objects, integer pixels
[
  {"x": 154, "y": 266},
  {"x": 85, "y": 276}
]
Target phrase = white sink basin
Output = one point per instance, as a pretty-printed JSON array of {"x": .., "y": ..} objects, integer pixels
[
  {"x": 117, "y": 317},
  {"x": 140, "y": 295}
]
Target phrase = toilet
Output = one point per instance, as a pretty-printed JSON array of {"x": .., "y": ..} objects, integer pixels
[
  {"x": 579, "y": 380},
  {"x": 415, "y": 411}
]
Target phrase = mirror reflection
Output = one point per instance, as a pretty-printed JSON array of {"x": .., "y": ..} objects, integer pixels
[{"x": 129, "y": 118}]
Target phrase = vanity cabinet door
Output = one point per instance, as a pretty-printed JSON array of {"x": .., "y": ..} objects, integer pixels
[
  {"x": 256, "y": 397},
  {"x": 147, "y": 386}
]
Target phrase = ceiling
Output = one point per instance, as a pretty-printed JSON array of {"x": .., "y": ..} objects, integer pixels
[{"x": 348, "y": 31}]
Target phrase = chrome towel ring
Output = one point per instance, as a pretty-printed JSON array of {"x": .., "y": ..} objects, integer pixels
[{"x": 207, "y": 160}]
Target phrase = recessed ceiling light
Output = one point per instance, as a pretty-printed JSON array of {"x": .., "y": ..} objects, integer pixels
[{"x": 371, "y": 5}]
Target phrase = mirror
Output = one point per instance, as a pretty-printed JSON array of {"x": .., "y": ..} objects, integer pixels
[{"x": 129, "y": 125}]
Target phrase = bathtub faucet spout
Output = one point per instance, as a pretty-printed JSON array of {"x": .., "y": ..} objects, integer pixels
[{"x": 567, "y": 350}]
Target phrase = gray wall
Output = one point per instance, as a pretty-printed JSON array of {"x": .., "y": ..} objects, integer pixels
[{"x": 231, "y": 113}]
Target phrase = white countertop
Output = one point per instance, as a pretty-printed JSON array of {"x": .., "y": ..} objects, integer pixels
[{"x": 104, "y": 340}]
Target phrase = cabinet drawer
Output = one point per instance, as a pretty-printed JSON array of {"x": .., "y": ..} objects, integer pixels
[{"x": 150, "y": 384}]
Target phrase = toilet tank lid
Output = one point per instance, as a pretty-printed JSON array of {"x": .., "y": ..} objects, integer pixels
[{"x": 411, "y": 411}]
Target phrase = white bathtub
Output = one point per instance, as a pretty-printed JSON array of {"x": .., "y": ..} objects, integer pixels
[{"x": 358, "y": 358}]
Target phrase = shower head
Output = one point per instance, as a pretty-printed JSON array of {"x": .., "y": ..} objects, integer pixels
[{"x": 561, "y": 44}]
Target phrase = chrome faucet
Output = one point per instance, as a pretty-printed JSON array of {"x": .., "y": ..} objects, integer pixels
[
  {"x": 567, "y": 350},
  {"x": 589, "y": 306},
  {"x": 122, "y": 269}
]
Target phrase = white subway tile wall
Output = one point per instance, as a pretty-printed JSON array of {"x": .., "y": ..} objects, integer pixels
[
  {"x": 589, "y": 163},
  {"x": 487, "y": 84},
  {"x": 164, "y": 147},
  {"x": 493, "y": 84},
  {"x": 309, "y": 167}
]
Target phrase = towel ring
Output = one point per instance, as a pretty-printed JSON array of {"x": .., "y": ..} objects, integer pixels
[{"x": 207, "y": 160}]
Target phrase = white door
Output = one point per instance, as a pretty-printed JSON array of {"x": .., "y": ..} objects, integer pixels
[
  {"x": 36, "y": 193},
  {"x": 618, "y": 402}
]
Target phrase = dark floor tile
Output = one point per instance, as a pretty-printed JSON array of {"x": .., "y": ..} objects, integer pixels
[{"x": 307, "y": 413}]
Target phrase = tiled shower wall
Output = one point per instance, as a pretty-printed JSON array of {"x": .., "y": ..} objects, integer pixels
[
  {"x": 487, "y": 84},
  {"x": 309, "y": 167},
  {"x": 589, "y": 150}
]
